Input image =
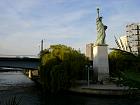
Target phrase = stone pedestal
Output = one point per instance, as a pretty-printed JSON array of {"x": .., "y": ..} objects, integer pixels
[{"x": 100, "y": 62}]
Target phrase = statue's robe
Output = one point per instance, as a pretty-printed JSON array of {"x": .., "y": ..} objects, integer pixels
[{"x": 100, "y": 32}]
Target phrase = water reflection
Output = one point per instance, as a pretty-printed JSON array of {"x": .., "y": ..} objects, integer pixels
[
  {"x": 17, "y": 84},
  {"x": 89, "y": 100},
  {"x": 10, "y": 80}
]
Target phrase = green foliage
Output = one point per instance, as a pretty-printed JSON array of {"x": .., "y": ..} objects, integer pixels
[
  {"x": 131, "y": 79},
  {"x": 125, "y": 66},
  {"x": 120, "y": 61},
  {"x": 60, "y": 67}
]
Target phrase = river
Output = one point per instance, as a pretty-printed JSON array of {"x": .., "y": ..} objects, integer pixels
[{"x": 17, "y": 84}]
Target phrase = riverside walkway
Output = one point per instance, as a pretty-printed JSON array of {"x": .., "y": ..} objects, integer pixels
[{"x": 107, "y": 89}]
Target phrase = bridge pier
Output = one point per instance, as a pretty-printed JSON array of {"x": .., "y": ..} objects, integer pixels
[{"x": 30, "y": 73}]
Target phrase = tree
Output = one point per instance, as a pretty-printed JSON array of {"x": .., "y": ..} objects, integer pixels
[
  {"x": 125, "y": 65},
  {"x": 60, "y": 67},
  {"x": 131, "y": 78},
  {"x": 120, "y": 61}
]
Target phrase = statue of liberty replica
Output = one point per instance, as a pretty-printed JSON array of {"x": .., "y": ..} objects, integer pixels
[
  {"x": 100, "y": 30},
  {"x": 100, "y": 52}
]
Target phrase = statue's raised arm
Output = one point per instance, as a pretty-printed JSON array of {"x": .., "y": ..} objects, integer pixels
[{"x": 100, "y": 30}]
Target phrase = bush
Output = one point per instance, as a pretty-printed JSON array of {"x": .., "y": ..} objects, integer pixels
[{"x": 60, "y": 67}]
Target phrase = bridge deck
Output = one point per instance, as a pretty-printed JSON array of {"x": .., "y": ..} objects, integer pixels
[{"x": 15, "y": 62}]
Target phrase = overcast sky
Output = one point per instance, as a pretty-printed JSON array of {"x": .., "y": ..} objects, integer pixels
[{"x": 24, "y": 23}]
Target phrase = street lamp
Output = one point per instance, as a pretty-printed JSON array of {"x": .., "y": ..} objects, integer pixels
[{"x": 88, "y": 68}]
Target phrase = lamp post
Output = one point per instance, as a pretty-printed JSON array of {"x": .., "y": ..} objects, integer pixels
[
  {"x": 88, "y": 76},
  {"x": 88, "y": 68}
]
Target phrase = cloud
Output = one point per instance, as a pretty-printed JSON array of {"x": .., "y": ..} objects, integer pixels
[{"x": 25, "y": 23}]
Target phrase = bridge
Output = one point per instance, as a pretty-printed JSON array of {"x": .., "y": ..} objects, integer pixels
[{"x": 19, "y": 62}]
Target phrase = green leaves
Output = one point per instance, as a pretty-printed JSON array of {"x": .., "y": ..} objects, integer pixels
[
  {"x": 121, "y": 60},
  {"x": 125, "y": 66},
  {"x": 60, "y": 67},
  {"x": 131, "y": 79}
]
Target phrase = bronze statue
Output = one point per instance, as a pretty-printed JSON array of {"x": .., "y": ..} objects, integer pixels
[{"x": 100, "y": 30}]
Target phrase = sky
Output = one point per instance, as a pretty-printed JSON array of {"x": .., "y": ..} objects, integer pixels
[{"x": 24, "y": 23}]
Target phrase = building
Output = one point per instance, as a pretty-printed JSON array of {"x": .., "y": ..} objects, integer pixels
[
  {"x": 133, "y": 35},
  {"x": 123, "y": 43},
  {"x": 131, "y": 41},
  {"x": 89, "y": 51}
]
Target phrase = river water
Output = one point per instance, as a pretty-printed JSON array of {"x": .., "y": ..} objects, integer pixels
[{"x": 17, "y": 84}]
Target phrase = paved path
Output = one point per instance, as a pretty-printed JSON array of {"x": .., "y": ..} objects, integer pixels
[{"x": 105, "y": 87}]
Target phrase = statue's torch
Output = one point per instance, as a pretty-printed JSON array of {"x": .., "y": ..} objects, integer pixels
[{"x": 98, "y": 12}]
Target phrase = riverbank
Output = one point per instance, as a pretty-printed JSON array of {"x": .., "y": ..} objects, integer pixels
[
  {"x": 99, "y": 89},
  {"x": 107, "y": 89}
]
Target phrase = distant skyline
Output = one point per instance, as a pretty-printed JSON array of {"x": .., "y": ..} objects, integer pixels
[{"x": 24, "y": 23}]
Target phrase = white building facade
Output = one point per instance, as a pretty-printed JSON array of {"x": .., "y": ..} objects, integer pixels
[
  {"x": 133, "y": 34},
  {"x": 131, "y": 41},
  {"x": 89, "y": 51}
]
